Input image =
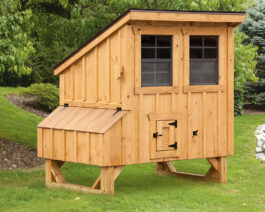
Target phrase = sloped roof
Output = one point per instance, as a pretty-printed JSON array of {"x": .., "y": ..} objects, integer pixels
[
  {"x": 82, "y": 119},
  {"x": 234, "y": 18}
]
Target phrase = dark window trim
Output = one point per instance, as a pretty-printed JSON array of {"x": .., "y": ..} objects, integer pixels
[
  {"x": 205, "y": 59},
  {"x": 157, "y": 60}
]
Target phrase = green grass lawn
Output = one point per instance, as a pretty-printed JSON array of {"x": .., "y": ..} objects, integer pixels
[{"x": 137, "y": 188}]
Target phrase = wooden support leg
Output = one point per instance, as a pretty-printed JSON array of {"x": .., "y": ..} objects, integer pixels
[
  {"x": 53, "y": 172},
  {"x": 107, "y": 180},
  {"x": 217, "y": 171}
]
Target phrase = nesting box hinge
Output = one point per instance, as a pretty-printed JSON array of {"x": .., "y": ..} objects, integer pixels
[
  {"x": 118, "y": 109},
  {"x": 175, "y": 145},
  {"x": 175, "y": 123},
  {"x": 155, "y": 135},
  {"x": 65, "y": 105}
]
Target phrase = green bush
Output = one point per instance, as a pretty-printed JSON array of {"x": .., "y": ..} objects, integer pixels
[{"x": 47, "y": 95}]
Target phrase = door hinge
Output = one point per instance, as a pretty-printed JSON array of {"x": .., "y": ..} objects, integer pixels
[
  {"x": 155, "y": 135},
  {"x": 175, "y": 145},
  {"x": 175, "y": 123}
]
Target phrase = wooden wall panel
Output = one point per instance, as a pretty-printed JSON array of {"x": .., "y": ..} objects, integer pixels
[
  {"x": 91, "y": 75},
  {"x": 40, "y": 142},
  {"x": 115, "y": 68},
  {"x": 103, "y": 71},
  {"x": 69, "y": 146},
  {"x": 68, "y": 83},
  {"x": 59, "y": 145},
  {"x": 146, "y": 105},
  {"x": 78, "y": 80},
  {"x": 97, "y": 146},
  {"x": 113, "y": 145},
  {"x": 48, "y": 143},
  {"x": 210, "y": 123},
  {"x": 195, "y": 142},
  {"x": 83, "y": 147}
]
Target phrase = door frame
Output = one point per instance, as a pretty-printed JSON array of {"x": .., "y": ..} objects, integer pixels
[{"x": 154, "y": 117}]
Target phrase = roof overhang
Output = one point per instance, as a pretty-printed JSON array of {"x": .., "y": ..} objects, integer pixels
[{"x": 231, "y": 18}]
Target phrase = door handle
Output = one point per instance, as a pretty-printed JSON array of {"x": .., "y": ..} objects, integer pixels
[{"x": 155, "y": 135}]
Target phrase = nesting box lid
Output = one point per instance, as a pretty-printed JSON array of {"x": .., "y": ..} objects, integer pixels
[{"x": 93, "y": 120}]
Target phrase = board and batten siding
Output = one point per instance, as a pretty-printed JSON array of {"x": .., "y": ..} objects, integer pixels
[{"x": 108, "y": 76}]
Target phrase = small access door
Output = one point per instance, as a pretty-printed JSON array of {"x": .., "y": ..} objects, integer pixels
[{"x": 165, "y": 138}]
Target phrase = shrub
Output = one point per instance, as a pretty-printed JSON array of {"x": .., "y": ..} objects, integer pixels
[{"x": 47, "y": 95}]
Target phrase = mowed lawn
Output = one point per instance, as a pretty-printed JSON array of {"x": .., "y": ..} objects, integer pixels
[{"x": 137, "y": 188}]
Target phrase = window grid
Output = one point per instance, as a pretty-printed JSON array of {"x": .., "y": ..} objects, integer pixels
[
  {"x": 203, "y": 59},
  {"x": 155, "y": 61}
]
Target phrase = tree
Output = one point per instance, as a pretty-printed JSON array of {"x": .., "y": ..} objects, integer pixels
[
  {"x": 245, "y": 64},
  {"x": 254, "y": 28}
]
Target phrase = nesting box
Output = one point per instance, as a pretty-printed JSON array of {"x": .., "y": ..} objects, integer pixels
[{"x": 153, "y": 86}]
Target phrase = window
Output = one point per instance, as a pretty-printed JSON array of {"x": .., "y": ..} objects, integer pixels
[
  {"x": 156, "y": 60},
  {"x": 203, "y": 60}
]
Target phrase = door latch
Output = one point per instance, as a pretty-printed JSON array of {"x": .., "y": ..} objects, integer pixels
[
  {"x": 175, "y": 145},
  {"x": 155, "y": 135},
  {"x": 175, "y": 123}
]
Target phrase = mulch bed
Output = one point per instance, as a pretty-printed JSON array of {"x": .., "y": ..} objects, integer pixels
[
  {"x": 27, "y": 103},
  {"x": 14, "y": 155},
  {"x": 17, "y": 156},
  {"x": 254, "y": 109}
]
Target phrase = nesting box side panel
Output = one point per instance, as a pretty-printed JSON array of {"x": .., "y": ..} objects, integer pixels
[{"x": 94, "y": 80}]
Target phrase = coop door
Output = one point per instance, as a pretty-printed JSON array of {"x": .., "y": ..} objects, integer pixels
[{"x": 165, "y": 142}]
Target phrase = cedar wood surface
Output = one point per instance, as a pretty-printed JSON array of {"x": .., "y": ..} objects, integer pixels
[{"x": 108, "y": 75}]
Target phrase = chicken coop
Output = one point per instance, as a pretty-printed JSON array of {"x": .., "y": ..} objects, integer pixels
[{"x": 152, "y": 87}]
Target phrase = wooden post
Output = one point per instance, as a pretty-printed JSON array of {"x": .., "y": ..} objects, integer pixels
[
  {"x": 107, "y": 180},
  {"x": 48, "y": 172},
  {"x": 222, "y": 169}
]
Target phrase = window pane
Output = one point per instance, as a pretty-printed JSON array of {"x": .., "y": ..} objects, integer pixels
[
  {"x": 210, "y": 53},
  {"x": 203, "y": 72},
  {"x": 164, "y": 53},
  {"x": 163, "y": 67},
  {"x": 163, "y": 40},
  {"x": 210, "y": 41},
  {"x": 148, "y": 40},
  {"x": 148, "y": 52},
  {"x": 195, "y": 41},
  {"x": 196, "y": 53},
  {"x": 163, "y": 78},
  {"x": 147, "y": 67},
  {"x": 147, "y": 79}
]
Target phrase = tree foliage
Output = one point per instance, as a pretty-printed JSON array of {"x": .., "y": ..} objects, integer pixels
[
  {"x": 254, "y": 28},
  {"x": 245, "y": 64}
]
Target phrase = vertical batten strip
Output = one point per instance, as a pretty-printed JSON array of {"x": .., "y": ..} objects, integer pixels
[
  {"x": 72, "y": 82},
  {"x": 157, "y": 103},
  {"x": 97, "y": 74},
  {"x": 40, "y": 142},
  {"x": 189, "y": 124},
  {"x": 219, "y": 118},
  {"x": 89, "y": 147},
  {"x": 109, "y": 67},
  {"x": 62, "y": 88},
  {"x": 75, "y": 147},
  {"x": 64, "y": 145},
  {"x": 140, "y": 123},
  {"x": 230, "y": 91},
  {"x": 203, "y": 124},
  {"x": 84, "y": 78},
  {"x": 52, "y": 142}
]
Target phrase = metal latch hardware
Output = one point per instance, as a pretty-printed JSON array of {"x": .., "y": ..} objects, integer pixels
[
  {"x": 175, "y": 145},
  {"x": 175, "y": 123},
  {"x": 118, "y": 109},
  {"x": 195, "y": 133},
  {"x": 155, "y": 135}
]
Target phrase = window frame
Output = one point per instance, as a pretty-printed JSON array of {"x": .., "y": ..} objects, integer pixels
[
  {"x": 175, "y": 32},
  {"x": 157, "y": 60},
  {"x": 221, "y": 32},
  {"x": 203, "y": 59}
]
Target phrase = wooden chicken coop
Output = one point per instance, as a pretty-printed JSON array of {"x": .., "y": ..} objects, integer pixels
[{"x": 152, "y": 87}]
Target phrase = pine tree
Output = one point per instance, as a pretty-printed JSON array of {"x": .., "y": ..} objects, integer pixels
[{"x": 254, "y": 28}]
